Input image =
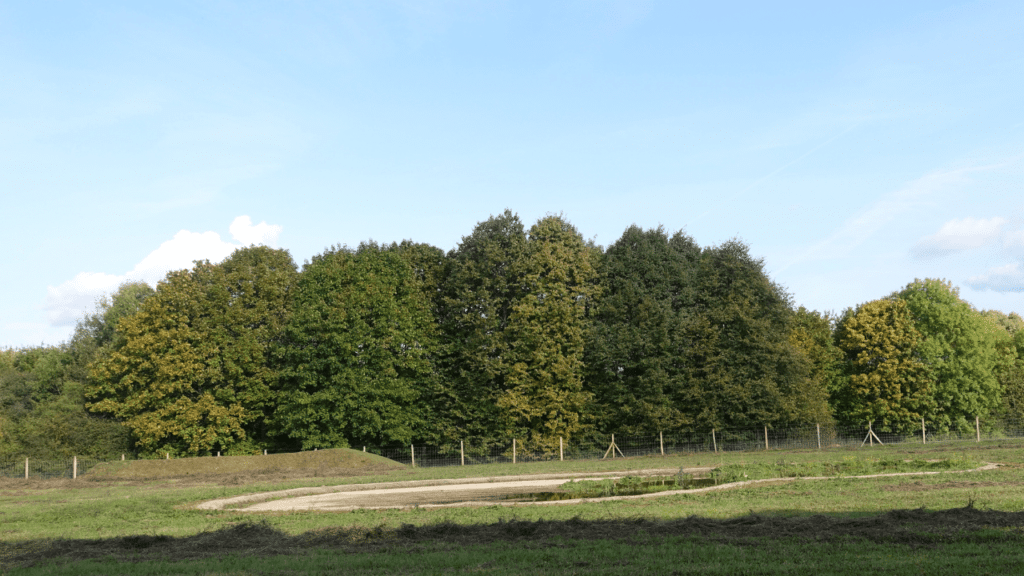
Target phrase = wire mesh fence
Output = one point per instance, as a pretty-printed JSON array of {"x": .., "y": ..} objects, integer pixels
[{"x": 597, "y": 446}]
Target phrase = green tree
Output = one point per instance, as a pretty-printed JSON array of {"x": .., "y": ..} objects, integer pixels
[
  {"x": 543, "y": 392},
  {"x": 636, "y": 337},
  {"x": 886, "y": 380},
  {"x": 812, "y": 334},
  {"x": 741, "y": 369},
  {"x": 358, "y": 353},
  {"x": 958, "y": 351},
  {"x": 484, "y": 282},
  {"x": 194, "y": 372}
]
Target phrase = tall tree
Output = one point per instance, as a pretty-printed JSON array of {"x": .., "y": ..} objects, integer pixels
[
  {"x": 957, "y": 350},
  {"x": 636, "y": 337},
  {"x": 484, "y": 282},
  {"x": 887, "y": 381},
  {"x": 741, "y": 368},
  {"x": 543, "y": 392},
  {"x": 358, "y": 353},
  {"x": 812, "y": 335},
  {"x": 194, "y": 373}
]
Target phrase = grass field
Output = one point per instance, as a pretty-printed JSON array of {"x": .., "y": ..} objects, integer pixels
[{"x": 134, "y": 520}]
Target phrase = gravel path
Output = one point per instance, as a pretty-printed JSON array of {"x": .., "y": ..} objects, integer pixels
[{"x": 475, "y": 491}]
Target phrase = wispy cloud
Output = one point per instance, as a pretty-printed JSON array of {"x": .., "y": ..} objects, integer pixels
[
  {"x": 858, "y": 229},
  {"x": 66, "y": 303},
  {"x": 1009, "y": 278},
  {"x": 959, "y": 235}
]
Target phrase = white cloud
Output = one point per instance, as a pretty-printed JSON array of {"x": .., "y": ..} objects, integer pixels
[
  {"x": 243, "y": 230},
  {"x": 66, "y": 303},
  {"x": 960, "y": 235},
  {"x": 1014, "y": 242},
  {"x": 1009, "y": 278}
]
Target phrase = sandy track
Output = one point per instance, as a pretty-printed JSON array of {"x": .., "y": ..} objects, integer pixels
[
  {"x": 477, "y": 492},
  {"x": 417, "y": 491}
]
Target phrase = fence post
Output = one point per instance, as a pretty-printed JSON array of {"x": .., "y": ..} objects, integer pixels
[
  {"x": 714, "y": 441},
  {"x": 412, "y": 453},
  {"x": 364, "y": 448},
  {"x": 923, "y": 440},
  {"x": 560, "y": 458},
  {"x": 462, "y": 453},
  {"x": 977, "y": 429},
  {"x": 818, "y": 426},
  {"x": 74, "y": 467},
  {"x": 765, "y": 437},
  {"x": 513, "y": 450},
  {"x": 26, "y": 468},
  {"x": 122, "y": 457},
  {"x": 661, "y": 442},
  {"x": 218, "y": 453},
  {"x": 167, "y": 455},
  {"x": 265, "y": 451},
  {"x": 613, "y": 446}
]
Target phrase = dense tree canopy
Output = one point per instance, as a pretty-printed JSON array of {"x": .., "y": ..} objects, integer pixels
[
  {"x": 485, "y": 281},
  {"x": 532, "y": 334},
  {"x": 959, "y": 352},
  {"x": 886, "y": 379},
  {"x": 637, "y": 336},
  {"x": 544, "y": 395},
  {"x": 741, "y": 368},
  {"x": 194, "y": 373},
  {"x": 357, "y": 354}
]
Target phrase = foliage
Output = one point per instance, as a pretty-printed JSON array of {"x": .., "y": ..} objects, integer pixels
[
  {"x": 886, "y": 381},
  {"x": 544, "y": 395},
  {"x": 741, "y": 369},
  {"x": 635, "y": 339},
  {"x": 811, "y": 334},
  {"x": 357, "y": 354},
  {"x": 483, "y": 285},
  {"x": 958, "y": 351},
  {"x": 194, "y": 374}
]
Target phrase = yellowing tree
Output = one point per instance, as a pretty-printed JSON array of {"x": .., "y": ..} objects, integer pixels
[
  {"x": 887, "y": 381},
  {"x": 192, "y": 373},
  {"x": 544, "y": 392}
]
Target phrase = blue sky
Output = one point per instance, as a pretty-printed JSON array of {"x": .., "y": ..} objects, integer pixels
[{"x": 854, "y": 148}]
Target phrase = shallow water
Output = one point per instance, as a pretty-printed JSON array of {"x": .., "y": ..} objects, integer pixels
[{"x": 633, "y": 489}]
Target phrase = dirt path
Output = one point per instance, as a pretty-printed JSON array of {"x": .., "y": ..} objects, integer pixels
[{"x": 475, "y": 492}]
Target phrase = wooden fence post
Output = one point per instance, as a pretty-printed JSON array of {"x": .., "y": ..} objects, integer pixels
[
  {"x": 560, "y": 455},
  {"x": 26, "y": 468},
  {"x": 412, "y": 452},
  {"x": 923, "y": 440},
  {"x": 74, "y": 467},
  {"x": 167, "y": 455},
  {"x": 818, "y": 427},
  {"x": 462, "y": 453},
  {"x": 122, "y": 457},
  {"x": 977, "y": 429},
  {"x": 661, "y": 442},
  {"x": 765, "y": 437},
  {"x": 714, "y": 441},
  {"x": 265, "y": 450},
  {"x": 513, "y": 450}
]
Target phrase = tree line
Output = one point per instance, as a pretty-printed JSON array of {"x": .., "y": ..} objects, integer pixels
[{"x": 534, "y": 334}]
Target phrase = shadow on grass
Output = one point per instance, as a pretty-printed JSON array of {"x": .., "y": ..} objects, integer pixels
[{"x": 914, "y": 528}]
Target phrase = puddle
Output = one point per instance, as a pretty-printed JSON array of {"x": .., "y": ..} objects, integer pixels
[{"x": 608, "y": 488}]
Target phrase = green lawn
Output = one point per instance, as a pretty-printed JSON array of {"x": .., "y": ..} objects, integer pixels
[{"x": 151, "y": 522}]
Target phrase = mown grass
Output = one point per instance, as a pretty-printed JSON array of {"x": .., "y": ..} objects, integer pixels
[{"x": 38, "y": 518}]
